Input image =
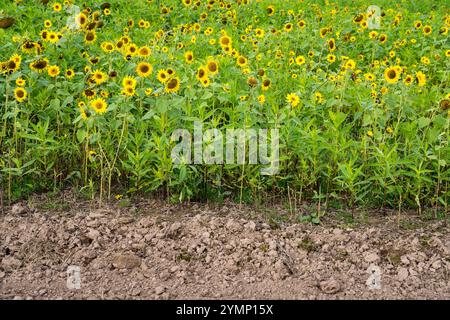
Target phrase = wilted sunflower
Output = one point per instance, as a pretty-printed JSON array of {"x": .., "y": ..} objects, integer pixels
[
  {"x": 172, "y": 85},
  {"x": 39, "y": 65},
  {"x": 28, "y": 46},
  {"x": 144, "y": 69},
  {"x": 392, "y": 75},
  {"x": 89, "y": 94},
  {"x": 20, "y": 94},
  {"x": 99, "y": 105}
]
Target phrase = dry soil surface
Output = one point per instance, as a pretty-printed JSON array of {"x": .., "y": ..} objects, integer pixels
[{"x": 158, "y": 251}]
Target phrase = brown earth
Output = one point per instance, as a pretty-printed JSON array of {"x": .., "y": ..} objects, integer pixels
[{"x": 153, "y": 250}]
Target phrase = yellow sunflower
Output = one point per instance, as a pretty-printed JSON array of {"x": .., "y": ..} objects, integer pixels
[
  {"x": 212, "y": 66},
  {"x": 144, "y": 69},
  {"x": 20, "y": 94},
  {"x": 99, "y": 77},
  {"x": 172, "y": 85},
  {"x": 392, "y": 75},
  {"x": 53, "y": 71},
  {"x": 99, "y": 105},
  {"x": 293, "y": 99}
]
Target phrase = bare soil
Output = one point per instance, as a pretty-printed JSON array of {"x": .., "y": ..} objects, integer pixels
[{"x": 149, "y": 249}]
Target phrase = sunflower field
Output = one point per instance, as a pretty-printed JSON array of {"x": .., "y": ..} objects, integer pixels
[{"x": 92, "y": 91}]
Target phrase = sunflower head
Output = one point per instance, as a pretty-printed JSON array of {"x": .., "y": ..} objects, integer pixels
[
  {"x": 99, "y": 105},
  {"x": 20, "y": 94},
  {"x": 144, "y": 69}
]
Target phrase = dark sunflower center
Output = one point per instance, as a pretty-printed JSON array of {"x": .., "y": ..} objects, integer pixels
[
  {"x": 392, "y": 74},
  {"x": 172, "y": 84}
]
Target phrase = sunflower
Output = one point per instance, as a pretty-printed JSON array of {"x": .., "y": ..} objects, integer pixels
[
  {"x": 421, "y": 78},
  {"x": 99, "y": 105},
  {"x": 107, "y": 47},
  {"x": 213, "y": 67},
  {"x": 162, "y": 76},
  {"x": 39, "y": 65},
  {"x": 172, "y": 85},
  {"x": 391, "y": 75},
  {"x": 85, "y": 113},
  {"x": 129, "y": 82},
  {"x": 288, "y": 27},
  {"x": 189, "y": 57},
  {"x": 90, "y": 37},
  {"x": 331, "y": 58},
  {"x": 301, "y": 24},
  {"x": 300, "y": 60},
  {"x": 270, "y": 11},
  {"x": 99, "y": 77},
  {"x": 52, "y": 37},
  {"x": 129, "y": 91},
  {"x": 382, "y": 38},
  {"x": 408, "y": 80},
  {"x": 242, "y": 61},
  {"x": 293, "y": 99},
  {"x": 144, "y": 69},
  {"x": 205, "y": 82},
  {"x": 427, "y": 30},
  {"x": 261, "y": 99},
  {"x": 20, "y": 82},
  {"x": 28, "y": 46},
  {"x": 89, "y": 94},
  {"x": 81, "y": 20},
  {"x": 266, "y": 84},
  {"x": 369, "y": 76},
  {"x": 57, "y": 7},
  {"x": 332, "y": 45},
  {"x": 202, "y": 73},
  {"x": 20, "y": 94},
  {"x": 187, "y": 3},
  {"x": 53, "y": 71},
  {"x": 252, "y": 82},
  {"x": 225, "y": 41},
  {"x": 417, "y": 24},
  {"x": 144, "y": 51}
]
